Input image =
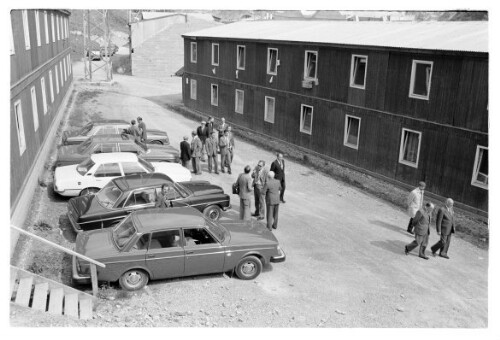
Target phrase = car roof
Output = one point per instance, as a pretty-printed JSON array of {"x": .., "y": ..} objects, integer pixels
[
  {"x": 110, "y": 121},
  {"x": 112, "y": 138},
  {"x": 161, "y": 218},
  {"x": 114, "y": 157},
  {"x": 131, "y": 182}
]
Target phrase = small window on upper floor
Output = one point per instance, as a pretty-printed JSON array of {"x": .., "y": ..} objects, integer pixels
[
  {"x": 26, "y": 29},
  {"x": 480, "y": 171},
  {"x": 358, "y": 71},
  {"x": 34, "y": 108},
  {"x": 18, "y": 111},
  {"x": 269, "y": 109},
  {"x": 409, "y": 150},
  {"x": 194, "y": 52},
  {"x": 11, "y": 36},
  {"x": 46, "y": 24},
  {"x": 215, "y": 54},
  {"x": 351, "y": 132},
  {"x": 44, "y": 95},
  {"x": 57, "y": 24},
  {"x": 272, "y": 61},
  {"x": 311, "y": 65},
  {"x": 420, "y": 83},
  {"x": 240, "y": 57},
  {"x": 306, "y": 119},
  {"x": 52, "y": 26},
  {"x": 51, "y": 85},
  {"x": 37, "y": 27},
  {"x": 57, "y": 79}
]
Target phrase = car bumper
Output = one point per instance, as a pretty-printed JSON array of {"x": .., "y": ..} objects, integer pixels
[
  {"x": 226, "y": 208},
  {"x": 68, "y": 193},
  {"x": 75, "y": 225},
  {"x": 280, "y": 258},
  {"x": 77, "y": 277}
]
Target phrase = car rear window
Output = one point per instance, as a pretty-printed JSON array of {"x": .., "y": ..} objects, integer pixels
[
  {"x": 146, "y": 164},
  {"x": 123, "y": 233},
  {"x": 216, "y": 229},
  {"x": 108, "y": 195},
  {"x": 85, "y": 166}
]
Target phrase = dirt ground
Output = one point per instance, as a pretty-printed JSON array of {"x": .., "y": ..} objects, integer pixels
[{"x": 345, "y": 262}]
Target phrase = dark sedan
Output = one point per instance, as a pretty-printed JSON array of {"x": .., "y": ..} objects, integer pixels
[
  {"x": 75, "y": 154},
  {"x": 126, "y": 194},
  {"x": 110, "y": 126},
  {"x": 166, "y": 243}
]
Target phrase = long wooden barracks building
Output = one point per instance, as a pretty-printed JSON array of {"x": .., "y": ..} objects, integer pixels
[
  {"x": 40, "y": 75},
  {"x": 404, "y": 101}
]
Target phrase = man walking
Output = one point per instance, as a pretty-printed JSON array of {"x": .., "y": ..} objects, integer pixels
[
  {"x": 421, "y": 222},
  {"x": 414, "y": 203},
  {"x": 196, "y": 147},
  {"x": 245, "y": 183},
  {"x": 142, "y": 129},
  {"x": 272, "y": 193},
  {"x": 230, "y": 136},
  {"x": 445, "y": 226},
  {"x": 134, "y": 130},
  {"x": 224, "y": 153},
  {"x": 202, "y": 132},
  {"x": 259, "y": 176},
  {"x": 222, "y": 127},
  {"x": 278, "y": 167},
  {"x": 185, "y": 151},
  {"x": 212, "y": 145}
]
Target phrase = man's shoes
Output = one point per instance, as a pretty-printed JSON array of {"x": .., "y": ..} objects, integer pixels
[
  {"x": 424, "y": 257},
  {"x": 198, "y": 173},
  {"x": 255, "y": 214},
  {"x": 216, "y": 173},
  {"x": 223, "y": 171},
  {"x": 260, "y": 218},
  {"x": 406, "y": 251},
  {"x": 229, "y": 172},
  {"x": 283, "y": 201},
  {"x": 434, "y": 253},
  {"x": 445, "y": 256}
]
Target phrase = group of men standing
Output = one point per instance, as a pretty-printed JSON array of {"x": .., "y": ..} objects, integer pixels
[
  {"x": 138, "y": 131},
  {"x": 420, "y": 220},
  {"x": 207, "y": 141}
]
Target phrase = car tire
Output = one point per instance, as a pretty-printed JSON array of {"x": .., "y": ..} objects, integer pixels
[
  {"x": 213, "y": 212},
  {"x": 248, "y": 268},
  {"x": 134, "y": 279},
  {"x": 88, "y": 191}
]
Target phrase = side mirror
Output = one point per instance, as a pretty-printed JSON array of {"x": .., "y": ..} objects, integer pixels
[{"x": 89, "y": 174}]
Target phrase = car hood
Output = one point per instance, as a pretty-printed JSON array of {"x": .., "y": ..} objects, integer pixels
[
  {"x": 249, "y": 233},
  {"x": 96, "y": 244},
  {"x": 84, "y": 205},
  {"x": 156, "y": 132},
  {"x": 202, "y": 188},
  {"x": 175, "y": 171},
  {"x": 69, "y": 154}
]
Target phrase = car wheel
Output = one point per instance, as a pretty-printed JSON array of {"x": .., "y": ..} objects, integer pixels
[
  {"x": 249, "y": 268},
  {"x": 134, "y": 279},
  {"x": 212, "y": 212},
  {"x": 89, "y": 191},
  {"x": 156, "y": 142}
]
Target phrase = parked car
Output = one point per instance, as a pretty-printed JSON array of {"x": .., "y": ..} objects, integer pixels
[
  {"x": 94, "y": 54},
  {"x": 124, "y": 195},
  {"x": 95, "y": 172},
  {"x": 111, "y": 126},
  {"x": 74, "y": 154},
  {"x": 164, "y": 243},
  {"x": 111, "y": 50}
]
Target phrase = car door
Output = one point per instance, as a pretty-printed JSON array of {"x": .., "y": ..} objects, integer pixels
[
  {"x": 165, "y": 256},
  {"x": 140, "y": 199},
  {"x": 204, "y": 253},
  {"x": 133, "y": 168},
  {"x": 134, "y": 257}
]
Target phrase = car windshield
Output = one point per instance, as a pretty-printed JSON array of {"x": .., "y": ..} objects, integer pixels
[
  {"x": 84, "y": 130},
  {"x": 84, "y": 145},
  {"x": 216, "y": 229},
  {"x": 108, "y": 195},
  {"x": 182, "y": 189},
  {"x": 146, "y": 164},
  {"x": 123, "y": 233},
  {"x": 85, "y": 166}
]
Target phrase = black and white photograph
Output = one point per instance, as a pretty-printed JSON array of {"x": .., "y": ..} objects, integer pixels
[{"x": 251, "y": 168}]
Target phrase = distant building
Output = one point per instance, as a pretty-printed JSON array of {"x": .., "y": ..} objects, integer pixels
[
  {"x": 40, "y": 75},
  {"x": 403, "y": 101}
]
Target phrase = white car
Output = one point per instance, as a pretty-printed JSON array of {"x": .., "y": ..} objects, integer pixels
[{"x": 95, "y": 172}]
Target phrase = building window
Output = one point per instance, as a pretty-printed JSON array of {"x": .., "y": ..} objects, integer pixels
[
  {"x": 194, "y": 52},
  {"x": 409, "y": 150},
  {"x": 44, "y": 95},
  {"x": 240, "y": 57},
  {"x": 37, "y": 27},
  {"x": 57, "y": 24},
  {"x": 358, "y": 71},
  {"x": 269, "y": 109},
  {"x": 239, "y": 99},
  {"x": 214, "y": 97},
  {"x": 420, "y": 83},
  {"x": 18, "y": 111},
  {"x": 52, "y": 26},
  {"x": 215, "y": 54},
  {"x": 480, "y": 172},
  {"x": 69, "y": 64},
  {"x": 64, "y": 69},
  {"x": 46, "y": 24},
  {"x": 193, "y": 92},
  {"x": 26, "y": 29},
  {"x": 306, "y": 119},
  {"x": 351, "y": 131},
  {"x": 51, "y": 84},
  {"x": 311, "y": 65},
  {"x": 65, "y": 28},
  {"x": 61, "y": 73},
  {"x": 11, "y": 35},
  {"x": 272, "y": 61},
  {"x": 57, "y": 79},
  {"x": 34, "y": 108}
]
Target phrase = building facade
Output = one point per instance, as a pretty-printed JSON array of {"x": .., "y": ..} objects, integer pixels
[
  {"x": 406, "y": 102},
  {"x": 40, "y": 75}
]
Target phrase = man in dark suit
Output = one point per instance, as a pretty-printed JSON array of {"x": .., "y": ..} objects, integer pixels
[
  {"x": 278, "y": 167},
  {"x": 245, "y": 183},
  {"x": 134, "y": 130},
  {"x": 210, "y": 125},
  {"x": 185, "y": 151},
  {"x": 142, "y": 129},
  {"x": 212, "y": 144},
  {"x": 272, "y": 192},
  {"x": 162, "y": 201},
  {"x": 202, "y": 132},
  {"x": 445, "y": 226},
  {"x": 421, "y": 223}
]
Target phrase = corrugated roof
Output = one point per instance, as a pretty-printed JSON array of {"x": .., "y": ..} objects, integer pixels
[{"x": 429, "y": 35}]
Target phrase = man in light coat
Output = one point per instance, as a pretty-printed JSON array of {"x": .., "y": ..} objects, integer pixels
[
  {"x": 196, "y": 147},
  {"x": 225, "y": 155},
  {"x": 245, "y": 183},
  {"x": 445, "y": 226},
  {"x": 421, "y": 222},
  {"x": 414, "y": 203},
  {"x": 259, "y": 176},
  {"x": 272, "y": 191},
  {"x": 212, "y": 145}
]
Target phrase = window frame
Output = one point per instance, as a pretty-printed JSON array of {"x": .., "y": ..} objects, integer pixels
[
  {"x": 305, "y": 65},
  {"x": 57, "y": 25},
  {"x": 302, "y": 106},
  {"x": 37, "y": 27},
  {"x": 193, "y": 84},
  {"x": 401, "y": 148},
  {"x": 475, "y": 170},
  {"x": 52, "y": 25},
  {"x": 412, "y": 79},
  {"x": 44, "y": 95},
  {"x": 21, "y": 138},
  {"x": 57, "y": 79},
  {"x": 346, "y": 131},
  {"x": 212, "y": 94},
  {"x": 268, "y": 61},
  {"x": 218, "y": 54},
  {"x": 51, "y": 83},
  {"x": 238, "y": 67},
  {"x": 266, "y": 109},
  {"x": 11, "y": 35},
  {"x": 26, "y": 29},
  {"x": 195, "y": 55},
  {"x": 236, "y": 102},
  {"x": 46, "y": 24},
  {"x": 61, "y": 73},
  {"x": 34, "y": 108},
  {"x": 64, "y": 69},
  {"x": 353, "y": 76}
]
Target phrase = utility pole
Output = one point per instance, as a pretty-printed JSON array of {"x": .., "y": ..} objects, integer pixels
[{"x": 96, "y": 45}]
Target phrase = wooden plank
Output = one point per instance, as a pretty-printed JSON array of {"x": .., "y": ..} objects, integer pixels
[
  {"x": 71, "y": 305},
  {"x": 86, "y": 309},
  {"x": 93, "y": 274},
  {"x": 13, "y": 281},
  {"x": 40, "y": 296},
  {"x": 56, "y": 301},
  {"x": 24, "y": 291}
]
